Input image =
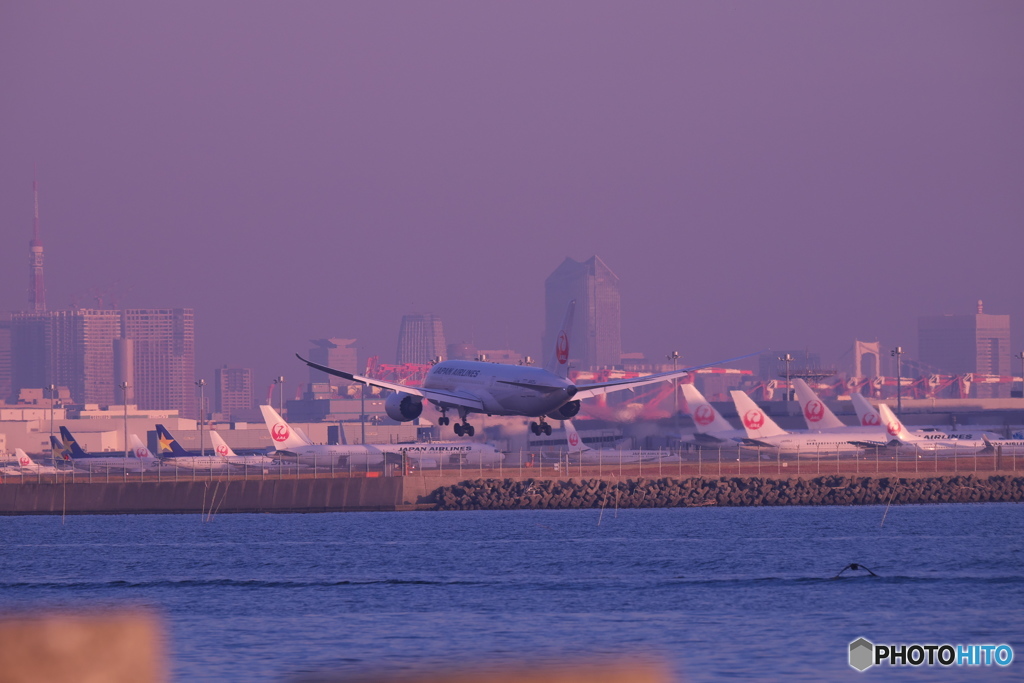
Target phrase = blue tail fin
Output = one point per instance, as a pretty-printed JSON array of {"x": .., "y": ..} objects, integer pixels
[
  {"x": 167, "y": 445},
  {"x": 70, "y": 445},
  {"x": 57, "y": 450}
]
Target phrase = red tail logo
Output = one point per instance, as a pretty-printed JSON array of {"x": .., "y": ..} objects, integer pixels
[
  {"x": 574, "y": 439},
  {"x": 222, "y": 450},
  {"x": 140, "y": 452},
  {"x": 754, "y": 419},
  {"x": 704, "y": 415},
  {"x": 24, "y": 461},
  {"x": 894, "y": 428},
  {"x": 562, "y": 348},
  {"x": 814, "y": 411},
  {"x": 279, "y": 432},
  {"x": 870, "y": 420}
]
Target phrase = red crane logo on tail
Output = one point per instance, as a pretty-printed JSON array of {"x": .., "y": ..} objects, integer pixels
[
  {"x": 754, "y": 419},
  {"x": 562, "y": 348},
  {"x": 222, "y": 450},
  {"x": 870, "y": 420},
  {"x": 24, "y": 461},
  {"x": 704, "y": 415},
  {"x": 894, "y": 428},
  {"x": 279, "y": 432},
  {"x": 574, "y": 439},
  {"x": 814, "y": 411},
  {"x": 140, "y": 452}
]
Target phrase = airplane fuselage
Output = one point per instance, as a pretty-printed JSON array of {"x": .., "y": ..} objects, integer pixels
[{"x": 502, "y": 389}]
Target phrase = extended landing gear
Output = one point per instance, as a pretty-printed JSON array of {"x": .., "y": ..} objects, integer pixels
[
  {"x": 464, "y": 429},
  {"x": 542, "y": 428},
  {"x": 443, "y": 420}
]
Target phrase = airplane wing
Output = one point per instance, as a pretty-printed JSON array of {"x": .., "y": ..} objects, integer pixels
[
  {"x": 429, "y": 394},
  {"x": 591, "y": 390}
]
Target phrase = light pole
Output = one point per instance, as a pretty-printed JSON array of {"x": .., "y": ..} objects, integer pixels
[
  {"x": 674, "y": 357},
  {"x": 53, "y": 391},
  {"x": 1019, "y": 355},
  {"x": 279, "y": 381},
  {"x": 897, "y": 353},
  {"x": 787, "y": 359},
  {"x": 124, "y": 400},
  {"x": 202, "y": 415}
]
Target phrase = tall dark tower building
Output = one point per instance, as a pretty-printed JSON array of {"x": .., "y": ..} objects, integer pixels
[
  {"x": 596, "y": 337},
  {"x": 36, "y": 290},
  {"x": 421, "y": 339},
  {"x": 959, "y": 344}
]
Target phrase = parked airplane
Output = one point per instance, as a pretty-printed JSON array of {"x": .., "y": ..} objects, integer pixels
[
  {"x": 171, "y": 453},
  {"x": 764, "y": 432},
  {"x": 868, "y": 416},
  {"x": 710, "y": 428},
  {"x": 22, "y": 465},
  {"x": 499, "y": 389},
  {"x": 223, "y": 450},
  {"x": 72, "y": 452},
  {"x": 288, "y": 441},
  {"x": 591, "y": 456},
  {"x": 917, "y": 443}
]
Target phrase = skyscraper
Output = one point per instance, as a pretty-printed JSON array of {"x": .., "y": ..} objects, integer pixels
[
  {"x": 596, "y": 337},
  {"x": 421, "y": 339},
  {"x": 36, "y": 289},
  {"x": 82, "y": 353},
  {"x": 334, "y": 353},
  {"x": 232, "y": 391},
  {"x": 959, "y": 344},
  {"x": 165, "y": 361}
]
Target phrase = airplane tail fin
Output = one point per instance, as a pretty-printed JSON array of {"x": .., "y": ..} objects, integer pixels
[
  {"x": 168, "y": 445},
  {"x": 817, "y": 415},
  {"x": 71, "y": 445},
  {"x": 576, "y": 444},
  {"x": 57, "y": 450},
  {"x": 706, "y": 420},
  {"x": 558, "y": 362},
  {"x": 754, "y": 419},
  {"x": 24, "y": 461},
  {"x": 139, "y": 449},
  {"x": 893, "y": 427},
  {"x": 220, "y": 447},
  {"x": 866, "y": 413},
  {"x": 281, "y": 433}
]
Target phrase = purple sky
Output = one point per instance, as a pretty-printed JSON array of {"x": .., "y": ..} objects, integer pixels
[{"x": 783, "y": 174}]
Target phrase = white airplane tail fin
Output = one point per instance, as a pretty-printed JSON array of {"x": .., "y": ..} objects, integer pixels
[
  {"x": 220, "y": 447},
  {"x": 757, "y": 424},
  {"x": 706, "y": 420},
  {"x": 558, "y": 362},
  {"x": 817, "y": 415},
  {"x": 25, "y": 462},
  {"x": 866, "y": 413},
  {"x": 576, "y": 444},
  {"x": 283, "y": 436},
  {"x": 893, "y": 427},
  {"x": 139, "y": 449}
]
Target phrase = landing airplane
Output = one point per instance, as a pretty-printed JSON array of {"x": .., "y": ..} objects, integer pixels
[
  {"x": 710, "y": 428},
  {"x": 588, "y": 455},
  {"x": 290, "y": 441},
  {"x": 501, "y": 389},
  {"x": 764, "y": 432},
  {"x": 72, "y": 452}
]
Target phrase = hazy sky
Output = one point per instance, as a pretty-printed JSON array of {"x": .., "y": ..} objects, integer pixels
[{"x": 769, "y": 174}]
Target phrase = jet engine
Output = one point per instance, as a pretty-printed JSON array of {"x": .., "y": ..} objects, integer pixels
[
  {"x": 566, "y": 411},
  {"x": 403, "y": 407}
]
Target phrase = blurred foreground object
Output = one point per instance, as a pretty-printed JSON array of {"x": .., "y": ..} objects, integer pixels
[
  {"x": 87, "y": 647},
  {"x": 611, "y": 671}
]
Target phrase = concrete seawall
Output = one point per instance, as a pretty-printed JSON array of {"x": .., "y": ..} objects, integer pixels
[{"x": 216, "y": 496}]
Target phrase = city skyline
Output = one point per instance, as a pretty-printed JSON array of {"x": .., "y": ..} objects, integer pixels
[{"x": 748, "y": 196}]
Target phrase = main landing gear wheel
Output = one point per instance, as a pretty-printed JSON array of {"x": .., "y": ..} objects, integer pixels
[
  {"x": 464, "y": 429},
  {"x": 542, "y": 428},
  {"x": 457, "y": 429},
  {"x": 443, "y": 421}
]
